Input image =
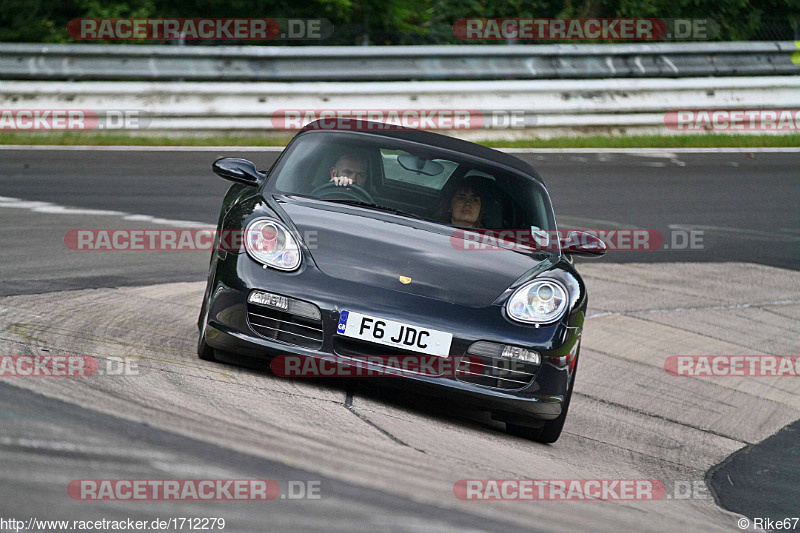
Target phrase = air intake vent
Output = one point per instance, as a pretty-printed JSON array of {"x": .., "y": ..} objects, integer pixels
[
  {"x": 502, "y": 368},
  {"x": 285, "y": 319}
]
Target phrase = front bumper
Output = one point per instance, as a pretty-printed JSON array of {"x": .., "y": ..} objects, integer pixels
[{"x": 228, "y": 330}]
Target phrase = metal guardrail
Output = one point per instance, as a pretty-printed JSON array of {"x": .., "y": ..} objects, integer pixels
[
  {"x": 546, "y": 107},
  {"x": 467, "y": 62}
]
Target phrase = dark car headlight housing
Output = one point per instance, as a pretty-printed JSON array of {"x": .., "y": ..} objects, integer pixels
[
  {"x": 538, "y": 302},
  {"x": 270, "y": 243}
]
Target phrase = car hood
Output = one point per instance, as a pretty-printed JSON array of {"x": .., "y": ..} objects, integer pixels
[{"x": 375, "y": 249}]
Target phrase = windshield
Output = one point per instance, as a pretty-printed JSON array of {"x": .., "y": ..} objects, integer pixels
[{"x": 411, "y": 180}]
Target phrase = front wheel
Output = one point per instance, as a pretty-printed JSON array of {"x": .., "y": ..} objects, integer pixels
[
  {"x": 204, "y": 351},
  {"x": 551, "y": 430}
]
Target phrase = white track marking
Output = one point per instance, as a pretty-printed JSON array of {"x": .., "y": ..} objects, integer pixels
[
  {"x": 62, "y": 210},
  {"x": 656, "y": 153},
  {"x": 591, "y": 223},
  {"x": 53, "y": 209},
  {"x": 703, "y": 308}
]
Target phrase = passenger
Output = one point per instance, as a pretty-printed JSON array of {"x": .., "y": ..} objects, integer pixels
[
  {"x": 348, "y": 170},
  {"x": 466, "y": 205}
]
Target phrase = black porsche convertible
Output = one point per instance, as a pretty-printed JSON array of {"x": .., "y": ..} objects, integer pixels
[{"x": 373, "y": 241}]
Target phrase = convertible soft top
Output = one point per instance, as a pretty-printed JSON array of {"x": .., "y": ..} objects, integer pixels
[{"x": 423, "y": 137}]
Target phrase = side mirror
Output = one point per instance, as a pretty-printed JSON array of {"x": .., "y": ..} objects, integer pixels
[
  {"x": 583, "y": 243},
  {"x": 238, "y": 170}
]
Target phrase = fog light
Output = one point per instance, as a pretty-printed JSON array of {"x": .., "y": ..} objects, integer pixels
[
  {"x": 496, "y": 350},
  {"x": 283, "y": 303},
  {"x": 516, "y": 353},
  {"x": 267, "y": 299}
]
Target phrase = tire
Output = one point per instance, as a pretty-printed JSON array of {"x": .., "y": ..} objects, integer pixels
[
  {"x": 551, "y": 430},
  {"x": 204, "y": 351}
]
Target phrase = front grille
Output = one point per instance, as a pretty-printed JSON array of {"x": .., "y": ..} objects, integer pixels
[{"x": 286, "y": 326}]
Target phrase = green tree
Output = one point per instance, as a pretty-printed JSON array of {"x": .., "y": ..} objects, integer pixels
[{"x": 383, "y": 22}]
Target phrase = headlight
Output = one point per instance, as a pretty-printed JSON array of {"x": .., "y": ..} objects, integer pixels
[
  {"x": 271, "y": 244},
  {"x": 538, "y": 302}
]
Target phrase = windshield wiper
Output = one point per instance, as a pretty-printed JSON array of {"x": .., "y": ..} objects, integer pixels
[{"x": 377, "y": 207}]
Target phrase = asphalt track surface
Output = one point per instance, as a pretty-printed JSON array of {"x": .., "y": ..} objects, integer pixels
[
  {"x": 743, "y": 204},
  {"x": 388, "y": 459}
]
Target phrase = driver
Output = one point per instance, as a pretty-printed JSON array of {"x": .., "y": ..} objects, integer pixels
[{"x": 349, "y": 169}]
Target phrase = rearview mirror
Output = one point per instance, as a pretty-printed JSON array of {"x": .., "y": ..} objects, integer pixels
[
  {"x": 583, "y": 243},
  {"x": 238, "y": 170},
  {"x": 420, "y": 165}
]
